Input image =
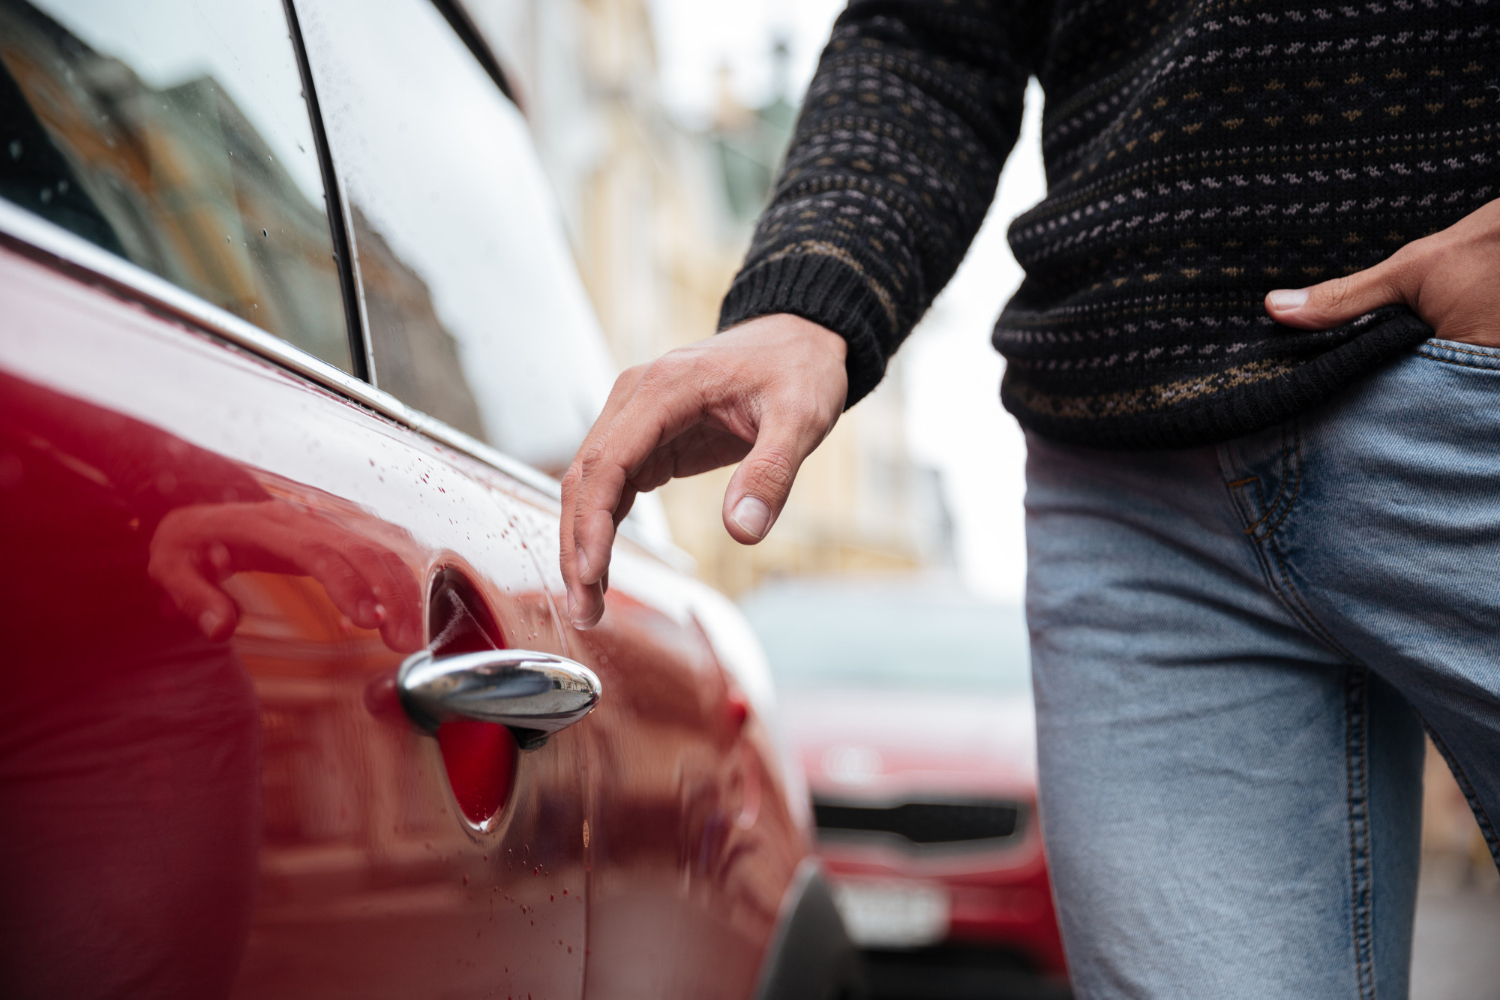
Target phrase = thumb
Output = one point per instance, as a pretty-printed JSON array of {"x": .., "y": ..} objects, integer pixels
[
  {"x": 1334, "y": 303},
  {"x": 760, "y": 486}
]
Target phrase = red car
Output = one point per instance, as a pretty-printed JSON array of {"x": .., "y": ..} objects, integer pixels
[
  {"x": 910, "y": 707},
  {"x": 287, "y": 327}
]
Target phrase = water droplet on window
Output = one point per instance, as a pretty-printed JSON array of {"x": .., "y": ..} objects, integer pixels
[
  {"x": 15, "y": 149},
  {"x": 264, "y": 233},
  {"x": 62, "y": 187},
  {"x": 229, "y": 239},
  {"x": 46, "y": 196}
]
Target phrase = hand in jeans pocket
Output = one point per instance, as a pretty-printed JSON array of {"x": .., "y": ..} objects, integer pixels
[{"x": 1450, "y": 279}]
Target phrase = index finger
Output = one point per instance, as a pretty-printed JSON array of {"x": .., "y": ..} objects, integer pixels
[
  {"x": 596, "y": 486},
  {"x": 567, "y": 550}
]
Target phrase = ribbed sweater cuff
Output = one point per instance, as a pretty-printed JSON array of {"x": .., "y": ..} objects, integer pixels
[{"x": 827, "y": 292}]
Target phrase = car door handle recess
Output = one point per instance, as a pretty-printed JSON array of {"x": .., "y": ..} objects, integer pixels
[{"x": 515, "y": 687}]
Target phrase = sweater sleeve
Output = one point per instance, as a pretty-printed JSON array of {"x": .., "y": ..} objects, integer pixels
[{"x": 891, "y": 169}]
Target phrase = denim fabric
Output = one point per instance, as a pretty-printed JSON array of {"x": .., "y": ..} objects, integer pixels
[{"x": 1235, "y": 651}]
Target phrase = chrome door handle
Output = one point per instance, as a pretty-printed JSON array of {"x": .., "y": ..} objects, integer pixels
[{"x": 535, "y": 692}]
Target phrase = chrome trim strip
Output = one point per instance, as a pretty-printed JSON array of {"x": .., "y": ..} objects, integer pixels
[{"x": 31, "y": 232}]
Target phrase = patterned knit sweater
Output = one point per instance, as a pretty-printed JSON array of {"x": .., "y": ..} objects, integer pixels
[{"x": 1199, "y": 153}]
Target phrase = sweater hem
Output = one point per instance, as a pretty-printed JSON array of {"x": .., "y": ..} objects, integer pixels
[{"x": 1232, "y": 413}]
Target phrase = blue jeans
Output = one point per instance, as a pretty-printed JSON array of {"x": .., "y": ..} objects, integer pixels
[{"x": 1236, "y": 650}]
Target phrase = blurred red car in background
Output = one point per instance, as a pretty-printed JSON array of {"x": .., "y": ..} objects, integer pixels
[{"x": 910, "y": 708}]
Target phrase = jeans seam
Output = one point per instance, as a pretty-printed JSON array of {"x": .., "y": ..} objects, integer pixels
[
  {"x": 1356, "y": 754},
  {"x": 1486, "y": 825},
  {"x": 1267, "y": 511},
  {"x": 1290, "y": 596},
  {"x": 1450, "y": 345},
  {"x": 1297, "y": 482},
  {"x": 1266, "y": 550},
  {"x": 1464, "y": 364}
]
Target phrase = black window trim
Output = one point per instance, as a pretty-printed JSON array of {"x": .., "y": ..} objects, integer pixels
[
  {"x": 346, "y": 251},
  {"x": 363, "y": 358},
  {"x": 468, "y": 32}
]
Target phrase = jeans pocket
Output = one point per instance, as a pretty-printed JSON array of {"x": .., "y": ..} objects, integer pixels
[
  {"x": 1453, "y": 352},
  {"x": 1263, "y": 472}
]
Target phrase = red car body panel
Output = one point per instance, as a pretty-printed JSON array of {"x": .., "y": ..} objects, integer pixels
[{"x": 255, "y": 816}]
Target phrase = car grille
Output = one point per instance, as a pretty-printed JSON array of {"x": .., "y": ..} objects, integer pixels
[{"x": 922, "y": 822}]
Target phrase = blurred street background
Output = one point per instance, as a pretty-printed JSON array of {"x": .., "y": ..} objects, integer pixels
[{"x": 661, "y": 124}]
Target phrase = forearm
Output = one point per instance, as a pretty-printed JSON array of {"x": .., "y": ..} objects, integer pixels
[{"x": 890, "y": 172}]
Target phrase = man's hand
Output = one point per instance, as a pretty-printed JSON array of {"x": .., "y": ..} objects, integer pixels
[
  {"x": 1451, "y": 279},
  {"x": 767, "y": 391}
]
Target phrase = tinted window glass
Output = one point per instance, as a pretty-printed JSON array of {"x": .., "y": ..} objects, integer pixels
[
  {"x": 476, "y": 314},
  {"x": 174, "y": 133},
  {"x": 870, "y": 637}
]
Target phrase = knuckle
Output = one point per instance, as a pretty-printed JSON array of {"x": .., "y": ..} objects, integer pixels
[
  {"x": 774, "y": 469},
  {"x": 631, "y": 378},
  {"x": 626, "y": 381},
  {"x": 570, "y": 481},
  {"x": 362, "y": 551},
  {"x": 667, "y": 372},
  {"x": 1337, "y": 294},
  {"x": 807, "y": 412},
  {"x": 593, "y": 455},
  {"x": 1407, "y": 265}
]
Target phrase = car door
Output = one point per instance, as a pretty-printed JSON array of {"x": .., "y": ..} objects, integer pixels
[
  {"x": 474, "y": 312},
  {"x": 221, "y": 545}
]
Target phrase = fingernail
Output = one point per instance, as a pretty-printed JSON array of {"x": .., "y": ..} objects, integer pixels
[
  {"x": 572, "y": 608},
  {"x": 380, "y": 613},
  {"x": 208, "y": 622},
  {"x": 1288, "y": 298},
  {"x": 367, "y": 611},
  {"x": 753, "y": 516}
]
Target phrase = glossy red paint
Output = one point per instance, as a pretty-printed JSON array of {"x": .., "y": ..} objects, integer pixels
[{"x": 212, "y": 570}]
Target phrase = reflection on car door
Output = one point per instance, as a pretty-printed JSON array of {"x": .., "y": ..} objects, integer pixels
[
  {"x": 184, "y": 812},
  {"x": 213, "y": 568}
]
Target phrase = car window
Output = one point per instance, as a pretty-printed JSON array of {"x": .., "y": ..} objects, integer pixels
[
  {"x": 869, "y": 637},
  {"x": 175, "y": 134},
  {"x": 476, "y": 314}
]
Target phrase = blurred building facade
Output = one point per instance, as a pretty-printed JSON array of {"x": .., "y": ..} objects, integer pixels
[{"x": 659, "y": 217}]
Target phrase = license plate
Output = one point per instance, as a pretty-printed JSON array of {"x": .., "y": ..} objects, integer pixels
[{"x": 892, "y": 914}]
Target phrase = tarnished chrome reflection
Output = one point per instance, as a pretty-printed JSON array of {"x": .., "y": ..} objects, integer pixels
[{"x": 515, "y": 687}]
